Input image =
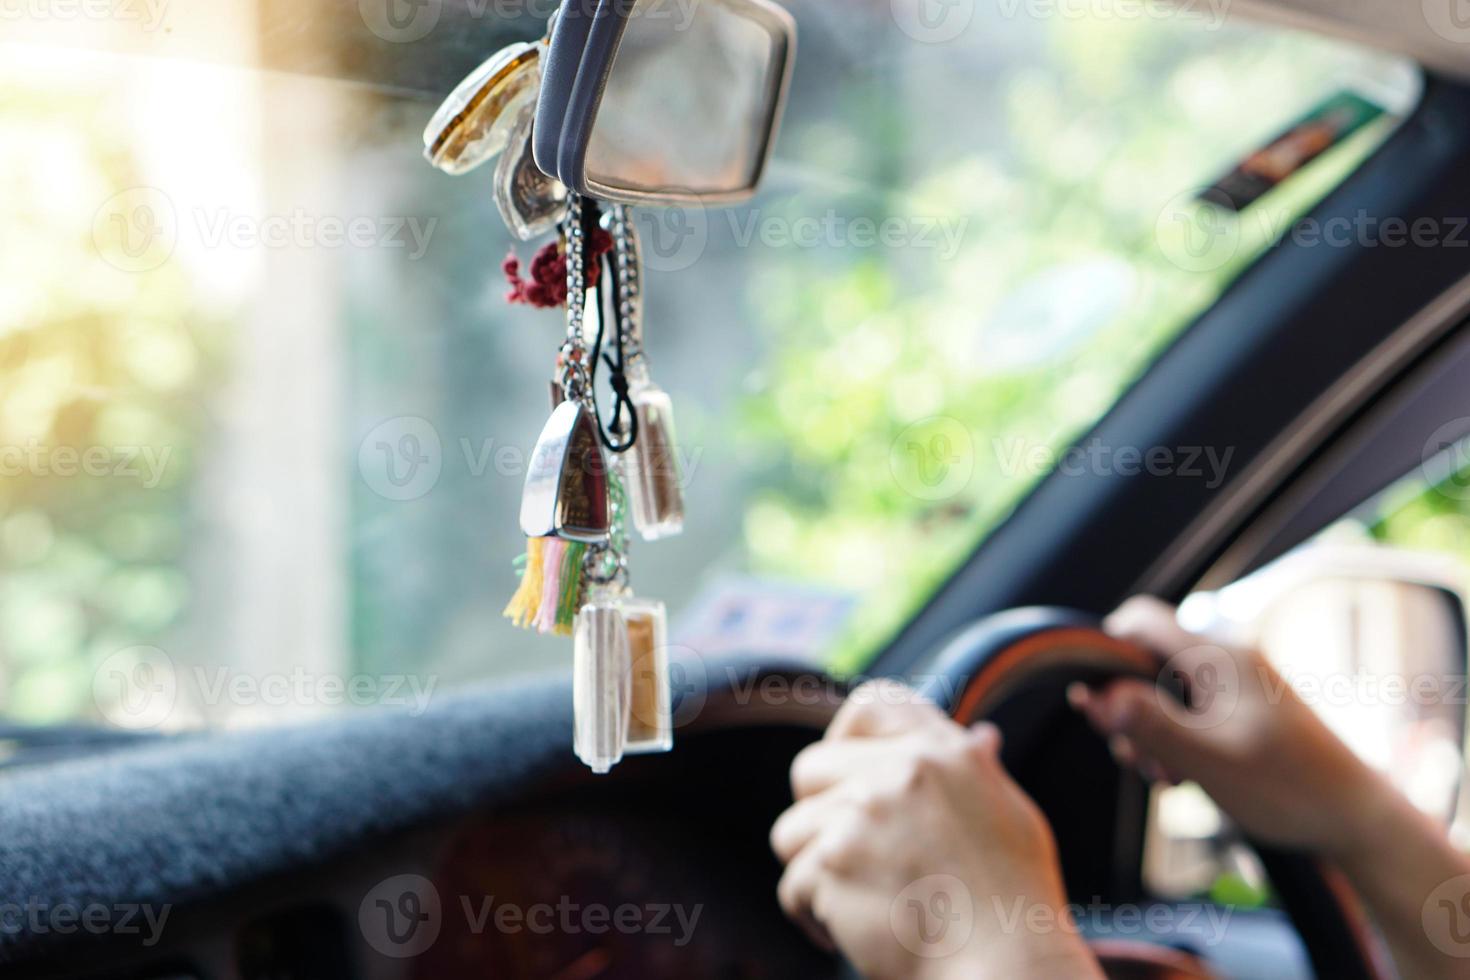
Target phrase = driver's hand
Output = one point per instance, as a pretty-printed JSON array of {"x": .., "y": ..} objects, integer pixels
[
  {"x": 1248, "y": 740},
  {"x": 911, "y": 850}
]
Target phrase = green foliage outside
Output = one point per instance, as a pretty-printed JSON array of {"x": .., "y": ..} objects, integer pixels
[
  {"x": 93, "y": 549},
  {"x": 1098, "y": 135},
  {"x": 1427, "y": 516},
  {"x": 1118, "y": 121}
]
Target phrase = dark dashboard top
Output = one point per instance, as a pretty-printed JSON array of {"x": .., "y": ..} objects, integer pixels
[
  {"x": 187, "y": 816},
  {"x": 190, "y": 817}
]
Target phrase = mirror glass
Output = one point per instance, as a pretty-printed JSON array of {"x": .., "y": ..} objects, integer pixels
[
  {"x": 691, "y": 99},
  {"x": 1383, "y": 661}
]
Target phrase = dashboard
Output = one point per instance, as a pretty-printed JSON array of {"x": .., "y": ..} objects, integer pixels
[
  {"x": 662, "y": 869},
  {"x": 406, "y": 849}
]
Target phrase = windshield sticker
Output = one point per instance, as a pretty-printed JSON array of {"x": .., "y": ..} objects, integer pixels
[{"x": 1320, "y": 130}]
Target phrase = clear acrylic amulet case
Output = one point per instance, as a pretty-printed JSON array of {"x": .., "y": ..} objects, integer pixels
[
  {"x": 650, "y": 716},
  {"x": 620, "y": 686},
  {"x": 602, "y": 673},
  {"x": 655, "y": 486}
]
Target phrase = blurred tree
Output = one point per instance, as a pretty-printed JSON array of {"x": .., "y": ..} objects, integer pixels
[
  {"x": 1066, "y": 284},
  {"x": 104, "y": 369}
]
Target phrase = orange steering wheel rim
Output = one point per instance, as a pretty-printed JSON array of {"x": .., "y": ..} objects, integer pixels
[
  {"x": 1070, "y": 646},
  {"x": 1017, "y": 658}
]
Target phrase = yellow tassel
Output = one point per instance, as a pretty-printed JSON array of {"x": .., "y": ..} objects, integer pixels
[{"x": 527, "y": 600}]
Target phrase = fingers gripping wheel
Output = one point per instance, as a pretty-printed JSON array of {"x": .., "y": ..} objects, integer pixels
[{"x": 1013, "y": 669}]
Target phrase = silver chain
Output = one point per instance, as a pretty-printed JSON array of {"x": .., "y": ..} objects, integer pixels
[
  {"x": 576, "y": 377},
  {"x": 604, "y": 564},
  {"x": 607, "y": 563},
  {"x": 627, "y": 254}
]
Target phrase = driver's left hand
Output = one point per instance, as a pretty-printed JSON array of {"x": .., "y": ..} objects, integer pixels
[{"x": 912, "y": 851}]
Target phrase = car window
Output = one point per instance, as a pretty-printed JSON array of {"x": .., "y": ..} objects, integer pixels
[
  {"x": 1392, "y": 701},
  {"x": 266, "y": 413}
]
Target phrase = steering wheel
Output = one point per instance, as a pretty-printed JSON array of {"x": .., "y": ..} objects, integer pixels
[{"x": 1013, "y": 669}]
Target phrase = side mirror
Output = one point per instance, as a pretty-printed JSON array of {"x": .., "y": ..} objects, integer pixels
[
  {"x": 1375, "y": 640},
  {"x": 646, "y": 102}
]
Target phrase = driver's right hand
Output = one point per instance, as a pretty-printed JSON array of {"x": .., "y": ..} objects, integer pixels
[{"x": 1260, "y": 752}]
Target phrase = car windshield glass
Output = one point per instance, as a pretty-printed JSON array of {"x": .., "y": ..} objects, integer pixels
[{"x": 266, "y": 413}]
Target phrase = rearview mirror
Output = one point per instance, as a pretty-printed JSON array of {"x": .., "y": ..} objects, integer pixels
[
  {"x": 1375, "y": 640},
  {"x": 647, "y": 102}
]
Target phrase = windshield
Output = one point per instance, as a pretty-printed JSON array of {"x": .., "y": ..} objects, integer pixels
[{"x": 266, "y": 415}]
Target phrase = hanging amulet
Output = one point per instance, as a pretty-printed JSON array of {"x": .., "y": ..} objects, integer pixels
[
  {"x": 601, "y": 679},
  {"x": 566, "y": 490},
  {"x": 650, "y": 711},
  {"x": 477, "y": 120},
  {"x": 530, "y": 202},
  {"x": 655, "y": 485}
]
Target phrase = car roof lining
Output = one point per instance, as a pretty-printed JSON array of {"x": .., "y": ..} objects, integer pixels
[
  {"x": 332, "y": 40},
  {"x": 1387, "y": 26}
]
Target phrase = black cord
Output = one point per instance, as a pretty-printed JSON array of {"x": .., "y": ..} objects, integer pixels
[{"x": 609, "y": 285}]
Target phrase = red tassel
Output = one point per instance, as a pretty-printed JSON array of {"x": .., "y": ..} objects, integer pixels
[{"x": 547, "y": 287}]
